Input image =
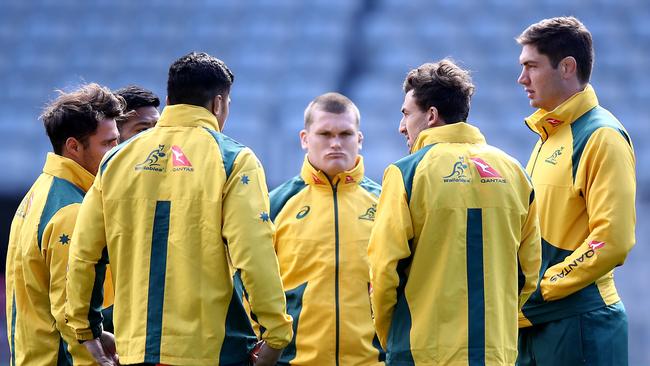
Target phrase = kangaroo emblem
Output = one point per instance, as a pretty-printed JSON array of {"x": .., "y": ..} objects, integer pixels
[
  {"x": 553, "y": 158},
  {"x": 152, "y": 159},
  {"x": 458, "y": 170},
  {"x": 370, "y": 213}
]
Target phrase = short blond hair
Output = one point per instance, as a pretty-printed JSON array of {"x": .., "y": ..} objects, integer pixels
[{"x": 332, "y": 103}]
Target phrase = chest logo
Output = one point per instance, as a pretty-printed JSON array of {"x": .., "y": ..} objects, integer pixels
[
  {"x": 151, "y": 162},
  {"x": 370, "y": 213},
  {"x": 303, "y": 212},
  {"x": 554, "y": 122},
  {"x": 457, "y": 174},
  {"x": 556, "y": 154}
]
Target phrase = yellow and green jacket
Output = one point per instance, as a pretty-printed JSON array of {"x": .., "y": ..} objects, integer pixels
[
  {"x": 454, "y": 253},
  {"x": 37, "y": 258},
  {"x": 583, "y": 171},
  {"x": 174, "y": 208},
  {"x": 321, "y": 242}
]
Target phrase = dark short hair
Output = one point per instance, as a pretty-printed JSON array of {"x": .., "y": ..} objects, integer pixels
[
  {"x": 443, "y": 85},
  {"x": 332, "y": 103},
  {"x": 136, "y": 97},
  {"x": 196, "y": 78},
  {"x": 562, "y": 37},
  {"x": 77, "y": 114}
]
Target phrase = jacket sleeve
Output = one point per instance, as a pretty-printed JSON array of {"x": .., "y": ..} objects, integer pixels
[
  {"x": 9, "y": 278},
  {"x": 248, "y": 231},
  {"x": 606, "y": 180},
  {"x": 55, "y": 246},
  {"x": 388, "y": 248},
  {"x": 86, "y": 267},
  {"x": 529, "y": 255}
]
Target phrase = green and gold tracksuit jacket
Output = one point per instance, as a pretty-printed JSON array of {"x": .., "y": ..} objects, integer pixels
[
  {"x": 174, "y": 208},
  {"x": 37, "y": 258},
  {"x": 583, "y": 171},
  {"x": 321, "y": 242},
  {"x": 454, "y": 253}
]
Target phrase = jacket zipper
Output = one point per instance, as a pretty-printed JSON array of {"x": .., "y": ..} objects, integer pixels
[
  {"x": 336, "y": 274},
  {"x": 538, "y": 151}
]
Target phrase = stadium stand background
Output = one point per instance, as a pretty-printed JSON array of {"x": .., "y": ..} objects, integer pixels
[{"x": 285, "y": 52}]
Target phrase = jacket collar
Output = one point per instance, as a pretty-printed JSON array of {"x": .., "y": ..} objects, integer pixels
[
  {"x": 459, "y": 132},
  {"x": 186, "y": 115},
  {"x": 315, "y": 177},
  {"x": 546, "y": 123},
  {"x": 68, "y": 169}
]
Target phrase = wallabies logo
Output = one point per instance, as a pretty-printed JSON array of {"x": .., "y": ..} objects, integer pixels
[
  {"x": 457, "y": 173},
  {"x": 151, "y": 162},
  {"x": 370, "y": 213},
  {"x": 553, "y": 158}
]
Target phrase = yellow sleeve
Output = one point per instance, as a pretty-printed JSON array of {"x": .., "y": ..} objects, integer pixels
[
  {"x": 529, "y": 255},
  {"x": 248, "y": 232},
  {"x": 55, "y": 245},
  {"x": 9, "y": 278},
  {"x": 388, "y": 247},
  {"x": 606, "y": 179},
  {"x": 86, "y": 268}
]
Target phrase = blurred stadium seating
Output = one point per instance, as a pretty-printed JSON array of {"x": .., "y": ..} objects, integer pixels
[{"x": 285, "y": 52}]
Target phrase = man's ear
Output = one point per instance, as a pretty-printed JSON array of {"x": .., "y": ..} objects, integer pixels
[
  {"x": 432, "y": 116},
  {"x": 72, "y": 147},
  {"x": 568, "y": 67},
  {"x": 303, "y": 139},
  {"x": 217, "y": 105},
  {"x": 360, "y": 139}
]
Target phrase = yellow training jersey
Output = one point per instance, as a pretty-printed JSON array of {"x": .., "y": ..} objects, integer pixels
[
  {"x": 321, "y": 242},
  {"x": 37, "y": 258},
  {"x": 172, "y": 208},
  {"x": 454, "y": 253},
  {"x": 583, "y": 172}
]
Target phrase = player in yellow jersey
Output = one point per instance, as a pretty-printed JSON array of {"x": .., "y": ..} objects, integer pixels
[
  {"x": 583, "y": 171},
  {"x": 81, "y": 127},
  {"x": 455, "y": 250},
  {"x": 175, "y": 209},
  {"x": 324, "y": 217}
]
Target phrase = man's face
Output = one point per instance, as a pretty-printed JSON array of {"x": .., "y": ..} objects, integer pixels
[
  {"x": 541, "y": 81},
  {"x": 332, "y": 141},
  {"x": 98, "y": 144},
  {"x": 414, "y": 120},
  {"x": 142, "y": 119}
]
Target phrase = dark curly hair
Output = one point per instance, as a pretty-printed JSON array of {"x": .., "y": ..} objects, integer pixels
[
  {"x": 77, "y": 114},
  {"x": 443, "y": 85},
  {"x": 196, "y": 78}
]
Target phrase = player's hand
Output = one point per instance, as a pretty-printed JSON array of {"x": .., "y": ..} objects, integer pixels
[
  {"x": 103, "y": 350},
  {"x": 267, "y": 355}
]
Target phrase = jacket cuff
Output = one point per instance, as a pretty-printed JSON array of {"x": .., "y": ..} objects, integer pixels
[{"x": 89, "y": 334}]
